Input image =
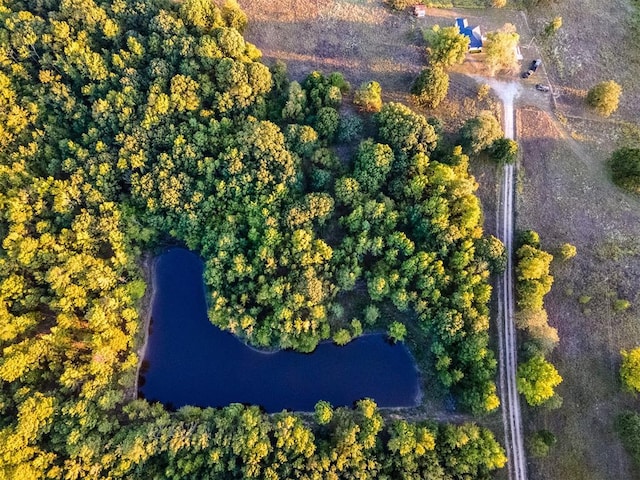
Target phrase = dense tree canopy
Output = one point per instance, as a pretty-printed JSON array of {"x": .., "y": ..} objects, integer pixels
[{"x": 132, "y": 123}]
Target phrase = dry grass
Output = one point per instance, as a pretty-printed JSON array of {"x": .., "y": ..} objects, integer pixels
[
  {"x": 598, "y": 41},
  {"x": 567, "y": 197}
]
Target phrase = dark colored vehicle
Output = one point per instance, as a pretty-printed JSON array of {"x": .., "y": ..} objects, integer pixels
[
  {"x": 532, "y": 69},
  {"x": 542, "y": 88}
]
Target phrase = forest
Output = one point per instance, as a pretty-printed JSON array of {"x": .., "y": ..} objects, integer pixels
[{"x": 131, "y": 124}]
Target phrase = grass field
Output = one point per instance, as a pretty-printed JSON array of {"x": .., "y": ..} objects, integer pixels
[{"x": 567, "y": 197}]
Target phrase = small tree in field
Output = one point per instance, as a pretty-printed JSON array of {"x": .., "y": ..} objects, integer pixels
[
  {"x": 481, "y": 132},
  {"x": 500, "y": 50},
  {"x": 605, "y": 97},
  {"x": 447, "y": 46},
  {"x": 568, "y": 251},
  {"x": 431, "y": 87},
  {"x": 625, "y": 168},
  {"x": 369, "y": 97},
  {"x": 553, "y": 26},
  {"x": 504, "y": 150},
  {"x": 536, "y": 380},
  {"x": 630, "y": 370}
]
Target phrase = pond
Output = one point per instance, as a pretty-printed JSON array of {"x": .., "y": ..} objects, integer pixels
[{"x": 189, "y": 361}]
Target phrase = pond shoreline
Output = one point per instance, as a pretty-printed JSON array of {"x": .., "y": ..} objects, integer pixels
[{"x": 144, "y": 313}]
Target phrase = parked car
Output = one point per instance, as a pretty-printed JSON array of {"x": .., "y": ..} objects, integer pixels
[
  {"x": 542, "y": 88},
  {"x": 532, "y": 68}
]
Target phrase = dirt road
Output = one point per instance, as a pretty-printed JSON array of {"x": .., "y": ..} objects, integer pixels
[{"x": 507, "y": 330}]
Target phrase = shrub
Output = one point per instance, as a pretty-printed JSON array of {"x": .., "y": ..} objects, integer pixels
[
  {"x": 529, "y": 237},
  {"x": 568, "y": 251},
  {"x": 625, "y": 168},
  {"x": 369, "y": 97},
  {"x": 553, "y": 26},
  {"x": 605, "y": 97},
  {"x": 371, "y": 314},
  {"x": 541, "y": 442},
  {"x": 630, "y": 370},
  {"x": 628, "y": 428},
  {"x": 620, "y": 305},
  {"x": 504, "y": 151},
  {"x": 431, "y": 87},
  {"x": 483, "y": 91}
]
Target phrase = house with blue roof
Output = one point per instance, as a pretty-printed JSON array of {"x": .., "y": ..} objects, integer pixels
[{"x": 473, "y": 33}]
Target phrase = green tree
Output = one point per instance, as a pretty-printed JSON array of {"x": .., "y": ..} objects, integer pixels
[
  {"x": 233, "y": 15},
  {"x": 373, "y": 163},
  {"x": 625, "y": 168},
  {"x": 553, "y": 26},
  {"x": 369, "y": 97},
  {"x": 323, "y": 412},
  {"x": 342, "y": 337},
  {"x": 431, "y": 87},
  {"x": 630, "y": 370},
  {"x": 504, "y": 151},
  {"x": 350, "y": 128},
  {"x": 492, "y": 250},
  {"x": 446, "y": 46},
  {"x": 480, "y": 133},
  {"x": 404, "y": 131},
  {"x": 397, "y": 331},
  {"x": 500, "y": 50},
  {"x": 628, "y": 427},
  {"x": 568, "y": 251},
  {"x": 604, "y": 97},
  {"x": 540, "y": 443},
  {"x": 536, "y": 380}
]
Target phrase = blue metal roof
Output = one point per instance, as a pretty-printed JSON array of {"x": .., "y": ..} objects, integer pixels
[{"x": 475, "y": 37}]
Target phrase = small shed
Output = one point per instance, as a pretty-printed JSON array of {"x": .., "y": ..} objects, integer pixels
[
  {"x": 420, "y": 11},
  {"x": 474, "y": 34}
]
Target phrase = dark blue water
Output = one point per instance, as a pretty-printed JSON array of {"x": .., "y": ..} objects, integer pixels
[{"x": 192, "y": 362}]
